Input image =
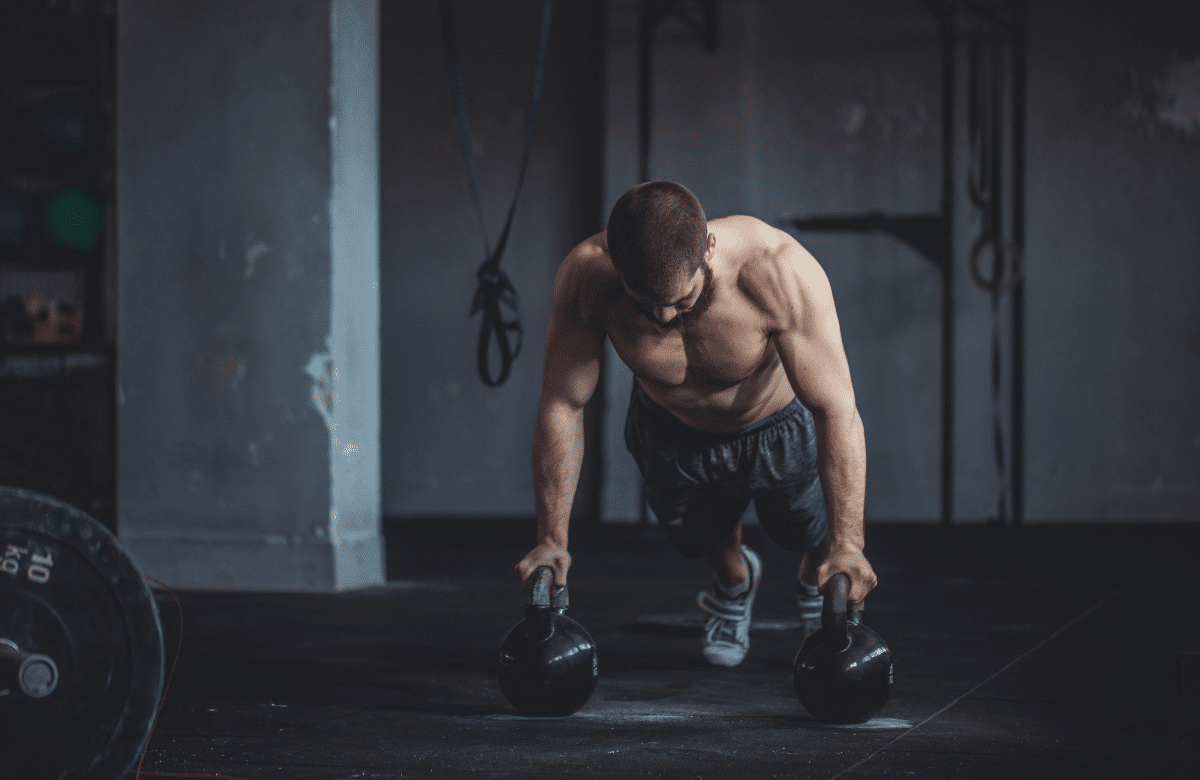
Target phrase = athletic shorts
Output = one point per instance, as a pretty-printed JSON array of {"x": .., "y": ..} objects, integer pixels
[{"x": 699, "y": 483}]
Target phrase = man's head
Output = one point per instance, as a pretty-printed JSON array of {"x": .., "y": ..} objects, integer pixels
[{"x": 657, "y": 239}]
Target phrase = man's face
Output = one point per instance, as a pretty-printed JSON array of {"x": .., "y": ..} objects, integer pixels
[{"x": 691, "y": 299}]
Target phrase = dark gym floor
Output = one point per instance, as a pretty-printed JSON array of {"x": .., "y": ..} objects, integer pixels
[{"x": 1035, "y": 652}]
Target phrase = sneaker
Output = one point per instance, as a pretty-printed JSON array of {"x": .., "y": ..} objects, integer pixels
[
  {"x": 811, "y": 603},
  {"x": 727, "y": 632}
]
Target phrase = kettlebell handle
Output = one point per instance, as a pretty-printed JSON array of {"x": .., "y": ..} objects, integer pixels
[
  {"x": 835, "y": 619},
  {"x": 539, "y": 590},
  {"x": 837, "y": 592}
]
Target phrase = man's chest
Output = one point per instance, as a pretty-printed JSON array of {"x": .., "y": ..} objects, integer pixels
[{"x": 717, "y": 351}]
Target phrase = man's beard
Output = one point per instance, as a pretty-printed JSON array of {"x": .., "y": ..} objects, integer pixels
[{"x": 689, "y": 317}]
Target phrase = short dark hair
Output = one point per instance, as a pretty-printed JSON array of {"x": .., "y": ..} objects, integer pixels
[{"x": 657, "y": 236}]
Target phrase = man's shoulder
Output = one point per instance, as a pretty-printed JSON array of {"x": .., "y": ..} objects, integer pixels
[
  {"x": 584, "y": 276},
  {"x": 588, "y": 263},
  {"x": 747, "y": 232},
  {"x": 590, "y": 254},
  {"x": 773, "y": 269},
  {"x": 758, "y": 251}
]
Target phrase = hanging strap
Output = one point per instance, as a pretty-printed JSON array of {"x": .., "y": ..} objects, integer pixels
[
  {"x": 998, "y": 415},
  {"x": 984, "y": 114},
  {"x": 495, "y": 288}
]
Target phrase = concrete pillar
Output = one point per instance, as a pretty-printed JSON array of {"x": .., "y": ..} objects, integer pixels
[{"x": 248, "y": 305}]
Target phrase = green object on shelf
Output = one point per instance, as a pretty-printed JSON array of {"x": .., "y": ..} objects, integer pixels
[{"x": 73, "y": 219}]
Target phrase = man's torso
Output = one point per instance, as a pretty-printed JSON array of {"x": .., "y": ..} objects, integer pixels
[{"x": 720, "y": 372}]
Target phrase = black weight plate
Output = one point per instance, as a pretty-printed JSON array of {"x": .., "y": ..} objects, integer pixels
[{"x": 69, "y": 590}]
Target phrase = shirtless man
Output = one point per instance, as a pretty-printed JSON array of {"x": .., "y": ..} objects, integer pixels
[{"x": 742, "y": 391}]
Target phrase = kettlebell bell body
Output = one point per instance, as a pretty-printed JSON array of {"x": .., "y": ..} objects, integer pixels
[
  {"x": 548, "y": 665},
  {"x": 843, "y": 672}
]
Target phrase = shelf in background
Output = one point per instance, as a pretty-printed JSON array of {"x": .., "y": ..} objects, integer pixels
[{"x": 49, "y": 363}]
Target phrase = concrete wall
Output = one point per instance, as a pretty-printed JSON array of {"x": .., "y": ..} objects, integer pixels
[
  {"x": 1114, "y": 277},
  {"x": 816, "y": 108},
  {"x": 452, "y": 445},
  {"x": 247, "y": 333},
  {"x": 231, "y": 255}
]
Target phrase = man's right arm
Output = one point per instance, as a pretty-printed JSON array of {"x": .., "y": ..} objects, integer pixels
[{"x": 572, "y": 369}]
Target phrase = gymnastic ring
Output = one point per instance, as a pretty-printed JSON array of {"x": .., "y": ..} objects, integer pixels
[{"x": 1001, "y": 250}]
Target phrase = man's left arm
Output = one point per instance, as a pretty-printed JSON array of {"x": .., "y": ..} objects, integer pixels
[{"x": 795, "y": 291}]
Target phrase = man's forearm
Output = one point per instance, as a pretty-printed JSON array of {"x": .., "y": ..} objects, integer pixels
[
  {"x": 557, "y": 460},
  {"x": 842, "y": 464}
]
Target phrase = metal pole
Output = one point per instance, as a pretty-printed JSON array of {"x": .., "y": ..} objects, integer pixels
[
  {"x": 947, "y": 23},
  {"x": 646, "y": 28},
  {"x": 1018, "y": 233}
]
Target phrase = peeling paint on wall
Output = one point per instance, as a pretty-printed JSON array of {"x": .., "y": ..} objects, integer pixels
[
  {"x": 320, "y": 369},
  {"x": 1171, "y": 100},
  {"x": 252, "y": 255}
]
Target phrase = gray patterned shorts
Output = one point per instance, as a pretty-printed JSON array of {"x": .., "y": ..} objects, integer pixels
[{"x": 699, "y": 483}]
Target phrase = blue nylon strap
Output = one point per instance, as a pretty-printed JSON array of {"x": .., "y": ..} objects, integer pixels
[{"x": 495, "y": 291}]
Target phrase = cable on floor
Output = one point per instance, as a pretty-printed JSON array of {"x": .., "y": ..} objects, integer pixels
[{"x": 139, "y": 773}]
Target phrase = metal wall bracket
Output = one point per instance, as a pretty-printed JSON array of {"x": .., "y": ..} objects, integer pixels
[{"x": 926, "y": 233}]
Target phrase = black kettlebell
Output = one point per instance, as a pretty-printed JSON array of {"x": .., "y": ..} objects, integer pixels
[
  {"x": 843, "y": 672},
  {"x": 548, "y": 664}
]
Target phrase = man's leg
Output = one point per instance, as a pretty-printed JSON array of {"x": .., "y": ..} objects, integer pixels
[
  {"x": 792, "y": 530},
  {"x": 727, "y": 562},
  {"x": 729, "y": 604},
  {"x": 809, "y": 599},
  {"x": 808, "y": 566}
]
